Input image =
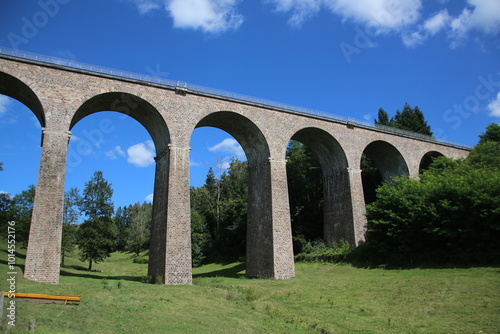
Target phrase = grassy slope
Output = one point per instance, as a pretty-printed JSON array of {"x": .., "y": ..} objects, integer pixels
[{"x": 322, "y": 298}]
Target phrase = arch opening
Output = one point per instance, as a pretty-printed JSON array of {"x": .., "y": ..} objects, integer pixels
[
  {"x": 259, "y": 229},
  {"x": 427, "y": 160},
  {"x": 146, "y": 142},
  {"x": 16, "y": 89},
  {"x": 20, "y": 160},
  {"x": 133, "y": 106},
  {"x": 219, "y": 197},
  {"x": 380, "y": 163},
  {"x": 123, "y": 151},
  {"x": 334, "y": 192}
]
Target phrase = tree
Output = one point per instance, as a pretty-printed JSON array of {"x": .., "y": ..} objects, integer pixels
[
  {"x": 451, "y": 214},
  {"x": 219, "y": 215},
  {"x": 5, "y": 211},
  {"x": 372, "y": 178},
  {"x": 383, "y": 118},
  {"x": 22, "y": 209},
  {"x": 71, "y": 216},
  {"x": 200, "y": 238},
  {"x": 233, "y": 204},
  {"x": 97, "y": 233},
  {"x": 122, "y": 223},
  {"x": 305, "y": 193},
  {"x": 485, "y": 155},
  {"x": 140, "y": 227},
  {"x": 410, "y": 119},
  {"x": 492, "y": 133}
]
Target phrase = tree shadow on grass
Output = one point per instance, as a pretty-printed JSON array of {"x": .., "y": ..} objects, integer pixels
[
  {"x": 20, "y": 265},
  {"x": 231, "y": 272},
  {"x": 84, "y": 273}
]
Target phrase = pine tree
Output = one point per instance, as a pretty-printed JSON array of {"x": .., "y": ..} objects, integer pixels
[
  {"x": 71, "y": 216},
  {"x": 140, "y": 227},
  {"x": 411, "y": 119},
  {"x": 22, "y": 209},
  {"x": 97, "y": 234},
  {"x": 122, "y": 223},
  {"x": 383, "y": 118}
]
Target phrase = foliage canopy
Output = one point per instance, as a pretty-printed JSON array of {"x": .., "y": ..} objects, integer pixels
[
  {"x": 97, "y": 233},
  {"x": 451, "y": 214}
]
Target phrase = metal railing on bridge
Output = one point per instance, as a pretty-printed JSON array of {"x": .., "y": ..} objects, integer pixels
[{"x": 148, "y": 79}]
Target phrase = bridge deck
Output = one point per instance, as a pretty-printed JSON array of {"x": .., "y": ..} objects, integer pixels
[{"x": 217, "y": 93}]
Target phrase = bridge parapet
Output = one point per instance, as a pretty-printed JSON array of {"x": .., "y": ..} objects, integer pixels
[{"x": 183, "y": 88}]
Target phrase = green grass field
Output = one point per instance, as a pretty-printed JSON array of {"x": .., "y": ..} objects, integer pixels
[{"x": 322, "y": 298}]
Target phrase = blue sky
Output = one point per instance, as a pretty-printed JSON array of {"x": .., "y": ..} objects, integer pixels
[{"x": 343, "y": 57}]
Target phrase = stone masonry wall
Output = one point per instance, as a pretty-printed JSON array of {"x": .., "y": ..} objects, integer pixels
[{"x": 61, "y": 97}]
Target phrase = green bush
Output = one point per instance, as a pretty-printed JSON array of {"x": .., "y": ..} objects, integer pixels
[
  {"x": 318, "y": 251},
  {"x": 450, "y": 215}
]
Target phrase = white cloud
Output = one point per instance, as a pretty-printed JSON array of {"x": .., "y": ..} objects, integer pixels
[
  {"x": 484, "y": 16},
  {"x": 302, "y": 10},
  {"x": 229, "y": 146},
  {"x": 115, "y": 153},
  {"x": 212, "y": 16},
  {"x": 494, "y": 106},
  {"x": 224, "y": 164},
  {"x": 383, "y": 15},
  {"x": 142, "y": 154},
  {"x": 4, "y": 104},
  {"x": 145, "y": 6},
  {"x": 430, "y": 27},
  {"x": 149, "y": 198},
  {"x": 403, "y": 17},
  {"x": 436, "y": 23},
  {"x": 194, "y": 164}
]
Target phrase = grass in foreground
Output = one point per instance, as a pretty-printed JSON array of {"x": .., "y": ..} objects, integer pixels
[{"x": 322, "y": 298}]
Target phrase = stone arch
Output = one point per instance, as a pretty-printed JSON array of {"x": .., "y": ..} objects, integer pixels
[
  {"x": 133, "y": 106},
  {"x": 338, "y": 214},
  {"x": 149, "y": 117},
  {"x": 20, "y": 91},
  {"x": 249, "y": 136},
  {"x": 427, "y": 160},
  {"x": 388, "y": 159},
  {"x": 259, "y": 252}
]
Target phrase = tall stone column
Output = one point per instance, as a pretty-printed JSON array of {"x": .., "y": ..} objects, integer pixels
[
  {"x": 170, "y": 244},
  {"x": 338, "y": 213},
  {"x": 269, "y": 235},
  {"x": 358, "y": 205},
  {"x": 44, "y": 246},
  {"x": 282, "y": 227}
]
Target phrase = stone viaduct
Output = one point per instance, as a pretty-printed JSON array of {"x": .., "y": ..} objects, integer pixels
[{"x": 61, "y": 93}]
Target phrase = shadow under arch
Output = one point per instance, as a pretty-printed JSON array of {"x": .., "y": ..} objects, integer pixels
[
  {"x": 380, "y": 163},
  {"x": 388, "y": 159},
  {"x": 16, "y": 89},
  {"x": 338, "y": 220},
  {"x": 427, "y": 160},
  {"x": 149, "y": 117},
  {"x": 259, "y": 250}
]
